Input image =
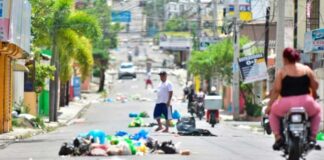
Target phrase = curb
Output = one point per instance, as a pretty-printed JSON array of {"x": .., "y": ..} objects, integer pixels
[
  {"x": 48, "y": 129},
  {"x": 21, "y": 137},
  {"x": 78, "y": 115}
]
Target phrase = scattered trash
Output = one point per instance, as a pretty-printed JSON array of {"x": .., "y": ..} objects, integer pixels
[
  {"x": 196, "y": 132},
  {"x": 121, "y": 134},
  {"x": 185, "y": 152},
  {"x": 122, "y": 143},
  {"x": 27, "y": 116},
  {"x": 320, "y": 136},
  {"x": 109, "y": 100},
  {"x": 14, "y": 114},
  {"x": 186, "y": 124},
  {"x": 137, "y": 122},
  {"x": 133, "y": 115},
  {"x": 176, "y": 114},
  {"x": 144, "y": 115},
  {"x": 98, "y": 136}
]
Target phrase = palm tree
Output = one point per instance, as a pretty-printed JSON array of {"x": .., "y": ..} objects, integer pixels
[{"x": 71, "y": 35}]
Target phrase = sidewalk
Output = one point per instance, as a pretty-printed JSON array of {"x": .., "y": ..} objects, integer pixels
[{"x": 65, "y": 117}]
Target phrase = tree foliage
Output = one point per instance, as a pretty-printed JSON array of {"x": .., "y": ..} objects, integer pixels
[
  {"x": 216, "y": 60},
  {"x": 41, "y": 19},
  {"x": 74, "y": 30},
  {"x": 177, "y": 24}
]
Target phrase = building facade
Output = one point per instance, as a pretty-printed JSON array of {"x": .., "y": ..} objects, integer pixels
[{"x": 15, "y": 24}]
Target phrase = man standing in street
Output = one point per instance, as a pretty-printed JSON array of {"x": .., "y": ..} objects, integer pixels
[{"x": 163, "y": 102}]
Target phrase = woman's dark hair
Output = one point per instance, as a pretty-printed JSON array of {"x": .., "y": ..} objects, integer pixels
[{"x": 291, "y": 55}]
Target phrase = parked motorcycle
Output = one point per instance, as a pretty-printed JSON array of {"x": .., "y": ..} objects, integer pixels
[{"x": 295, "y": 131}]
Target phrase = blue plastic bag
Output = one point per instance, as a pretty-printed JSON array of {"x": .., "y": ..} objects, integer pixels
[
  {"x": 133, "y": 115},
  {"x": 121, "y": 134},
  {"x": 142, "y": 134},
  {"x": 176, "y": 115},
  {"x": 98, "y": 134}
]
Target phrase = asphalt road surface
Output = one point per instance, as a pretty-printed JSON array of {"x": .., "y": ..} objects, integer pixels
[{"x": 230, "y": 144}]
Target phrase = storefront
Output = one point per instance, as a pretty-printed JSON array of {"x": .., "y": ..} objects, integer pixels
[{"x": 14, "y": 44}]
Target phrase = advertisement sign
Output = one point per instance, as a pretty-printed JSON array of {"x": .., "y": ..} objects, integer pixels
[
  {"x": 4, "y": 29},
  {"x": 4, "y": 20},
  {"x": 244, "y": 7},
  {"x": 4, "y": 9},
  {"x": 314, "y": 41},
  {"x": 253, "y": 68},
  {"x": 121, "y": 16}
]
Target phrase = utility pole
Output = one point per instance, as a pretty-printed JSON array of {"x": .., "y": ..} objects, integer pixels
[
  {"x": 198, "y": 24},
  {"x": 54, "y": 83},
  {"x": 280, "y": 36},
  {"x": 155, "y": 16},
  {"x": 236, "y": 74},
  {"x": 266, "y": 41},
  {"x": 215, "y": 19},
  {"x": 295, "y": 22}
]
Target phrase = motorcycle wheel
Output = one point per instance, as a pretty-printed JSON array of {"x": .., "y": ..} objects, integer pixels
[
  {"x": 295, "y": 150},
  {"x": 212, "y": 119},
  {"x": 200, "y": 116}
]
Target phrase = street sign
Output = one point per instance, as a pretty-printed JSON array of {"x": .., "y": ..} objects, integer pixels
[
  {"x": 121, "y": 16},
  {"x": 314, "y": 41},
  {"x": 253, "y": 68}
]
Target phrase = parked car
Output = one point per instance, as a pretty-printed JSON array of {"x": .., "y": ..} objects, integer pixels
[{"x": 126, "y": 70}]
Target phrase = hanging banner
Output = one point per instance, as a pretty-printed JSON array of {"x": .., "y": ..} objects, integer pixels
[
  {"x": 314, "y": 41},
  {"x": 253, "y": 68}
]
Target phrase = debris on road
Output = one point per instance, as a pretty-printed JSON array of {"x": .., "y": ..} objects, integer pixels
[
  {"x": 320, "y": 136},
  {"x": 142, "y": 115},
  {"x": 186, "y": 126},
  {"x": 122, "y": 143}
]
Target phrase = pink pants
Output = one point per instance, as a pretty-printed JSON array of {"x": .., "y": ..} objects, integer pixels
[{"x": 281, "y": 106}]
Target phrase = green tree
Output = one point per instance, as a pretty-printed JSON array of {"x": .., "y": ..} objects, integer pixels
[
  {"x": 216, "y": 60},
  {"x": 70, "y": 31},
  {"x": 109, "y": 40},
  {"x": 42, "y": 15},
  {"x": 177, "y": 24}
]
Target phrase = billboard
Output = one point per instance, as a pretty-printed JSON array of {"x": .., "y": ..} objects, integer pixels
[
  {"x": 314, "y": 41},
  {"x": 4, "y": 20},
  {"x": 121, "y": 16},
  {"x": 244, "y": 7},
  {"x": 253, "y": 68},
  {"x": 15, "y": 23}
]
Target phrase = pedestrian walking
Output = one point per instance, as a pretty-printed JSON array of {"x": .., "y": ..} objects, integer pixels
[
  {"x": 148, "y": 80},
  {"x": 163, "y": 102}
]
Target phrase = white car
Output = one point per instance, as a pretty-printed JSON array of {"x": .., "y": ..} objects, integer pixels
[{"x": 126, "y": 70}]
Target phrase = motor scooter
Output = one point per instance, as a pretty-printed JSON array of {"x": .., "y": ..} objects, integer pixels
[{"x": 213, "y": 104}]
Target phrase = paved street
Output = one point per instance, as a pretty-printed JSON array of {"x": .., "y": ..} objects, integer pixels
[
  {"x": 233, "y": 141},
  {"x": 230, "y": 143}
]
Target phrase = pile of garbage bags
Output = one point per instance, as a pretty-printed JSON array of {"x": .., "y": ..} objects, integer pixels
[
  {"x": 186, "y": 126},
  {"x": 98, "y": 143}
]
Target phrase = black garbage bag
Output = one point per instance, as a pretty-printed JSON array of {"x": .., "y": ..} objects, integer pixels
[
  {"x": 66, "y": 149},
  {"x": 186, "y": 124},
  {"x": 81, "y": 147},
  {"x": 196, "y": 132},
  {"x": 168, "y": 147}
]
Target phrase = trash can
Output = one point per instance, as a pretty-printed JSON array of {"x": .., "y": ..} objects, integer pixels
[
  {"x": 43, "y": 103},
  {"x": 77, "y": 86}
]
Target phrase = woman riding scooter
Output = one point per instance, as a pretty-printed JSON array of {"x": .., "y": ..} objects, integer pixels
[{"x": 294, "y": 83}]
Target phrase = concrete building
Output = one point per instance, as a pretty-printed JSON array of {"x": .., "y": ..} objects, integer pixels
[{"x": 15, "y": 25}]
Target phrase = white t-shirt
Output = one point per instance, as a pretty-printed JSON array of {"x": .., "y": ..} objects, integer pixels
[{"x": 163, "y": 92}]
